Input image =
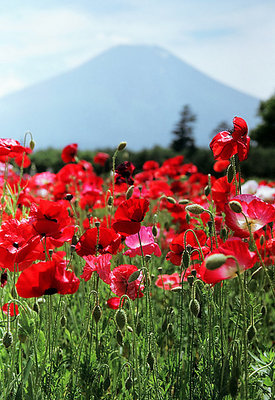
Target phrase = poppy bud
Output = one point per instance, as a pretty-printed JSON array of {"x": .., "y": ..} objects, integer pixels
[
  {"x": 97, "y": 224},
  {"x": 230, "y": 173},
  {"x": 190, "y": 280},
  {"x": 110, "y": 201},
  {"x": 215, "y": 261},
  {"x": 262, "y": 240},
  {"x": 150, "y": 360},
  {"x": 96, "y": 314},
  {"x": 195, "y": 209},
  {"x": 223, "y": 233},
  {"x": 69, "y": 196},
  {"x": 106, "y": 383},
  {"x": 170, "y": 328},
  {"x": 171, "y": 200},
  {"x": 121, "y": 146},
  {"x": 129, "y": 383},
  {"x": 183, "y": 201},
  {"x": 251, "y": 332},
  {"x": 32, "y": 144},
  {"x": 63, "y": 321},
  {"x": 194, "y": 307},
  {"x": 121, "y": 318},
  {"x": 194, "y": 273},
  {"x": 186, "y": 259},
  {"x": 7, "y": 339},
  {"x": 154, "y": 230},
  {"x": 235, "y": 206},
  {"x": 119, "y": 337},
  {"x": 134, "y": 276},
  {"x": 187, "y": 218},
  {"x": 207, "y": 190},
  {"x": 147, "y": 257},
  {"x": 130, "y": 192}
]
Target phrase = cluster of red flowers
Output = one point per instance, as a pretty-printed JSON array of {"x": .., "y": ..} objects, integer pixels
[{"x": 198, "y": 222}]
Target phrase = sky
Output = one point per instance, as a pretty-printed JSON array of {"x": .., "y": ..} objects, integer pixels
[{"x": 231, "y": 41}]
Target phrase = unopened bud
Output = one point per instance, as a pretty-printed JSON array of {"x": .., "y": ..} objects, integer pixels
[
  {"x": 195, "y": 209},
  {"x": 32, "y": 144},
  {"x": 262, "y": 240},
  {"x": 148, "y": 258},
  {"x": 150, "y": 360},
  {"x": 154, "y": 230},
  {"x": 235, "y": 206},
  {"x": 7, "y": 339},
  {"x": 251, "y": 332},
  {"x": 63, "y": 321},
  {"x": 190, "y": 279},
  {"x": 186, "y": 259},
  {"x": 110, "y": 201},
  {"x": 121, "y": 146},
  {"x": 170, "y": 328},
  {"x": 129, "y": 383},
  {"x": 130, "y": 192},
  {"x": 207, "y": 190},
  {"x": 97, "y": 224},
  {"x": 121, "y": 318},
  {"x": 230, "y": 173},
  {"x": 194, "y": 307},
  {"x": 134, "y": 276},
  {"x": 171, "y": 200},
  {"x": 215, "y": 261},
  {"x": 96, "y": 314},
  {"x": 183, "y": 202}
]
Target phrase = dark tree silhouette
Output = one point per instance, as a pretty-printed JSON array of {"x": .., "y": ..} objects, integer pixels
[
  {"x": 222, "y": 126},
  {"x": 264, "y": 133},
  {"x": 184, "y": 131}
]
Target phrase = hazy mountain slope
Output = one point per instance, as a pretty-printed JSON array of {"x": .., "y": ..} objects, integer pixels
[{"x": 132, "y": 93}]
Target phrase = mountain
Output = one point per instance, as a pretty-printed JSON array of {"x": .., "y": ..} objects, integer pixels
[{"x": 131, "y": 93}]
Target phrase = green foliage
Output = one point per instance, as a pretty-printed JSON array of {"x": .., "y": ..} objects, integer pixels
[{"x": 264, "y": 133}]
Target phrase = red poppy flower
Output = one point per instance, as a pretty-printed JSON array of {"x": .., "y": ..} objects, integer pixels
[
  {"x": 257, "y": 212},
  {"x": 108, "y": 241},
  {"x": 120, "y": 285},
  {"x": 10, "y": 147},
  {"x": 22, "y": 159},
  {"x": 114, "y": 302},
  {"x": 177, "y": 245},
  {"x": 225, "y": 144},
  {"x": 101, "y": 158},
  {"x": 46, "y": 278},
  {"x": 220, "y": 165},
  {"x": 222, "y": 191},
  {"x": 69, "y": 152},
  {"x": 17, "y": 245},
  {"x": 51, "y": 219},
  {"x": 101, "y": 264},
  {"x": 129, "y": 215},
  {"x": 13, "y": 309},
  {"x": 168, "y": 282},
  {"x": 235, "y": 247},
  {"x": 150, "y": 165},
  {"x": 124, "y": 172}
]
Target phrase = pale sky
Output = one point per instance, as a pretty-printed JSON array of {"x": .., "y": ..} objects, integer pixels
[{"x": 232, "y": 41}]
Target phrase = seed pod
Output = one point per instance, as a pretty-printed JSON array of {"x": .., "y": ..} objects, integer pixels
[
  {"x": 7, "y": 339},
  {"x": 235, "y": 206},
  {"x": 134, "y": 276},
  {"x": 129, "y": 383},
  {"x": 195, "y": 209},
  {"x": 97, "y": 313},
  {"x": 207, "y": 190},
  {"x": 230, "y": 173},
  {"x": 194, "y": 307},
  {"x": 119, "y": 337},
  {"x": 215, "y": 261},
  {"x": 121, "y": 146},
  {"x": 150, "y": 360},
  {"x": 130, "y": 192},
  {"x": 121, "y": 318},
  {"x": 251, "y": 332}
]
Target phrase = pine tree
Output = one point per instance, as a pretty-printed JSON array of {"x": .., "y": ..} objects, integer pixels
[
  {"x": 184, "y": 131},
  {"x": 264, "y": 133}
]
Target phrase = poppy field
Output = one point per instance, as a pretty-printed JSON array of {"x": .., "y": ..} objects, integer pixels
[{"x": 157, "y": 284}]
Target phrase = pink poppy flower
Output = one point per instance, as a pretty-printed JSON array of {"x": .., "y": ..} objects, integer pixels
[
  {"x": 120, "y": 285},
  {"x": 257, "y": 212},
  {"x": 235, "y": 247},
  {"x": 147, "y": 241},
  {"x": 168, "y": 282}
]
